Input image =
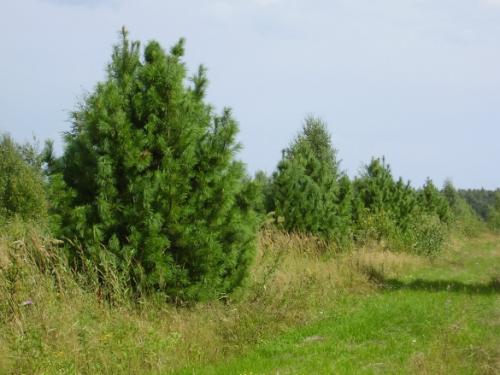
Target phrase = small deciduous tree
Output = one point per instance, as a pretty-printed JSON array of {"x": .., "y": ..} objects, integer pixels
[{"x": 21, "y": 184}]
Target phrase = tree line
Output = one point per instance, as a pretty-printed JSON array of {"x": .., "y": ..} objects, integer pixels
[{"x": 149, "y": 183}]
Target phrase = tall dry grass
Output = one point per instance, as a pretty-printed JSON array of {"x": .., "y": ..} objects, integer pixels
[{"x": 55, "y": 321}]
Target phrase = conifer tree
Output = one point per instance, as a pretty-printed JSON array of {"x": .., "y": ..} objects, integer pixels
[
  {"x": 306, "y": 187},
  {"x": 344, "y": 209},
  {"x": 451, "y": 194},
  {"x": 383, "y": 207},
  {"x": 149, "y": 178},
  {"x": 430, "y": 200},
  {"x": 374, "y": 188},
  {"x": 404, "y": 204}
]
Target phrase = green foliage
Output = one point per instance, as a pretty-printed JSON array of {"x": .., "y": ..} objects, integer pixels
[
  {"x": 431, "y": 201},
  {"x": 486, "y": 204},
  {"x": 148, "y": 179},
  {"x": 494, "y": 213},
  {"x": 344, "y": 209},
  {"x": 465, "y": 220},
  {"x": 21, "y": 184},
  {"x": 306, "y": 186},
  {"x": 264, "y": 201},
  {"x": 376, "y": 193},
  {"x": 480, "y": 200},
  {"x": 378, "y": 226},
  {"x": 374, "y": 188},
  {"x": 393, "y": 212},
  {"x": 426, "y": 234}
]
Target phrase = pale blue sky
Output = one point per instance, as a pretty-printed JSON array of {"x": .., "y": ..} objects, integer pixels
[{"x": 415, "y": 80}]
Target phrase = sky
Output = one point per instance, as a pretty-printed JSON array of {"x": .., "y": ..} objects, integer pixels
[{"x": 416, "y": 81}]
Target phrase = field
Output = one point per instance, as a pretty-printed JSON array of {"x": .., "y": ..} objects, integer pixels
[
  {"x": 444, "y": 318},
  {"x": 306, "y": 309}
]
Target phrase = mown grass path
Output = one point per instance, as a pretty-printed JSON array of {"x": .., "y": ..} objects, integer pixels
[{"x": 442, "y": 319}]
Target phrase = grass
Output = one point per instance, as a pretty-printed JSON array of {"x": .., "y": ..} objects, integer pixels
[
  {"x": 396, "y": 333},
  {"x": 443, "y": 318},
  {"x": 305, "y": 310}
]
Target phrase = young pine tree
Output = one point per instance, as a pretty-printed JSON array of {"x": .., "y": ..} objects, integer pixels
[
  {"x": 431, "y": 201},
  {"x": 383, "y": 208},
  {"x": 149, "y": 178},
  {"x": 306, "y": 185},
  {"x": 374, "y": 188}
]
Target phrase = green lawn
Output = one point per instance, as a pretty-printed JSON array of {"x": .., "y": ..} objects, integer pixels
[{"x": 442, "y": 319}]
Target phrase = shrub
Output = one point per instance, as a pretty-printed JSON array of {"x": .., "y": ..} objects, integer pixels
[
  {"x": 374, "y": 226},
  {"x": 427, "y": 234},
  {"x": 149, "y": 182},
  {"x": 21, "y": 184}
]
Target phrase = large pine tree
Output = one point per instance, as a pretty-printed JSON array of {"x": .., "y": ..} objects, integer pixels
[{"x": 151, "y": 178}]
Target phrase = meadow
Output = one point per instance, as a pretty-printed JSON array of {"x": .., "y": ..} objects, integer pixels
[{"x": 305, "y": 309}]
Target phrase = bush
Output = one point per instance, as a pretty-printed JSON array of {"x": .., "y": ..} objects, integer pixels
[
  {"x": 377, "y": 226},
  {"x": 21, "y": 185},
  {"x": 427, "y": 235},
  {"x": 148, "y": 181}
]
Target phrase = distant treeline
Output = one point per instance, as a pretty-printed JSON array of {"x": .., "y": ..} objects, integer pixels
[
  {"x": 481, "y": 200},
  {"x": 149, "y": 187}
]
